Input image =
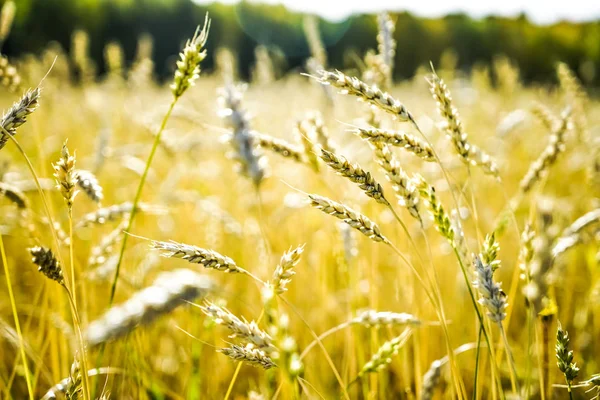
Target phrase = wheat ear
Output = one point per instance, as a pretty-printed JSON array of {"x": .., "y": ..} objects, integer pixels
[{"x": 356, "y": 220}]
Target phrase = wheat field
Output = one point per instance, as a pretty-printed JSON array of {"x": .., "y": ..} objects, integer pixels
[{"x": 319, "y": 235}]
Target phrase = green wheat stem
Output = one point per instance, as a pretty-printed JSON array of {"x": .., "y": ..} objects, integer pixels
[
  {"x": 136, "y": 201},
  {"x": 13, "y": 305}
]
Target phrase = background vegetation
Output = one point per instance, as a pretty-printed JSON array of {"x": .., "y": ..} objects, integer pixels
[{"x": 534, "y": 48}]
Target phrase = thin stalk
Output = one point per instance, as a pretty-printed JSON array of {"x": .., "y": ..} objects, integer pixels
[
  {"x": 239, "y": 365},
  {"x": 138, "y": 196},
  {"x": 569, "y": 389},
  {"x": 73, "y": 291},
  {"x": 323, "y": 336},
  {"x": 84, "y": 369},
  {"x": 434, "y": 282},
  {"x": 42, "y": 196},
  {"x": 13, "y": 305},
  {"x": 511, "y": 361},
  {"x": 76, "y": 321},
  {"x": 480, "y": 317},
  {"x": 477, "y": 363},
  {"x": 545, "y": 354},
  {"x": 529, "y": 343},
  {"x": 327, "y": 357},
  {"x": 235, "y": 374}
]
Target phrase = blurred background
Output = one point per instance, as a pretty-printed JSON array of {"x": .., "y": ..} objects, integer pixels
[{"x": 534, "y": 34}]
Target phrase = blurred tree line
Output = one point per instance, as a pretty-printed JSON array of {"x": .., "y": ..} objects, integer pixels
[{"x": 241, "y": 27}]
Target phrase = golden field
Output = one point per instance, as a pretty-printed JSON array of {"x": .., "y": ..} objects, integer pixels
[{"x": 196, "y": 193}]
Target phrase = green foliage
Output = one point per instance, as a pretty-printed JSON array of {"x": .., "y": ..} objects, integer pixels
[{"x": 241, "y": 27}]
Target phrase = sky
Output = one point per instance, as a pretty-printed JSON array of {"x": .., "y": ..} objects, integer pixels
[{"x": 540, "y": 11}]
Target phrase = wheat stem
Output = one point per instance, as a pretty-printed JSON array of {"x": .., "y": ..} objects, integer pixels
[
  {"x": 13, "y": 305},
  {"x": 138, "y": 196}
]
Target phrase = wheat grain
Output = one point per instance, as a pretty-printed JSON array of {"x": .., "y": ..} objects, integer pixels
[
  {"x": 196, "y": 255},
  {"x": 356, "y": 220},
  {"x": 47, "y": 264},
  {"x": 249, "y": 355},
  {"x": 564, "y": 356},
  {"x": 356, "y": 174},
  {"x": 65, "y": 176},
  {"x": 383, "y": 357},
  {"x": 169, "y": 290},
  {"x": 370, "y": 318},
  {"x": 310, "y": 150},
  {"x": 492, "y": 296},
  {"x": 398, "y": 139},
  {"x": 188, "y": 67},
  {"x": 252, "y": 163},
  {"x": 440, "y": 217},
  {"x": 17, "y": 114},
  {"x": 14, "y": 194},
  {"x": 469, "y": 153},
  {"x": 403, "y": 186},
  {"x": 576, "y": 97},
  {"x": 279, "y": 146},
  {"x": 431, "y": 380},
  {"x": 285, "y": 269},
  {"x": 539, "y": 167},
  {"x": 88, "y": 182},
  {"x": 240, "y": 327},
  {"x": 545, "y": 116},
  {"x": 115, "y": 212},
  {"x": 9, "y": 76},
  {"x": 371, "y": 94}
]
